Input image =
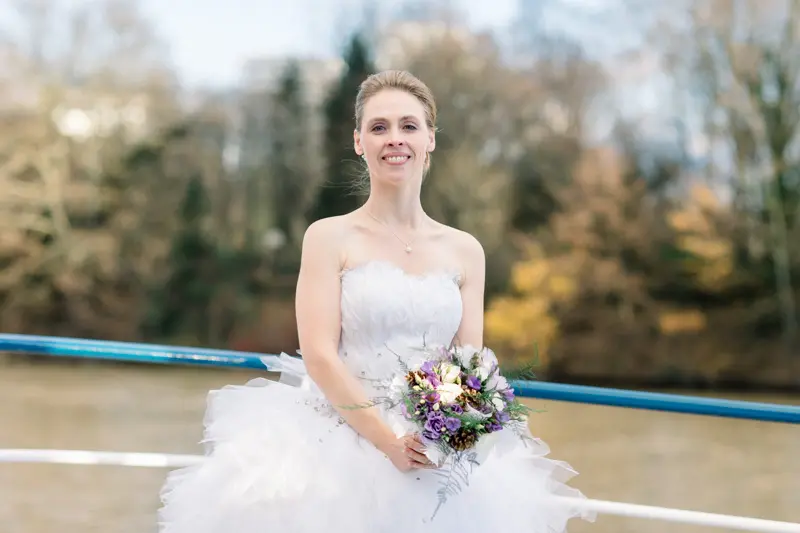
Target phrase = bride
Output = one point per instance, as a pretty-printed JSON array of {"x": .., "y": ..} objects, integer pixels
[{"x": 289, "y": 456}]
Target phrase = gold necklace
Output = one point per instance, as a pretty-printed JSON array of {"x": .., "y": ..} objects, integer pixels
[{"x": 406, "y": 244}]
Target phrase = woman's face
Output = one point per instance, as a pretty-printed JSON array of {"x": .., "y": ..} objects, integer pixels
[{"x": 394, "y": 137}]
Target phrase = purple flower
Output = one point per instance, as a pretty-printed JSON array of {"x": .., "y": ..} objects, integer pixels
[
  {"x": 434, "y": 426},
  {"x": 508, "y": 395},
  {"x": 436, "y": 415},
  {"x": 432, "y": 397},
  {"x": 493, "y": 426},
  {"x": 427, "y": 369},
  {"x": 503, "y": 417},
  {"x": 452, "y": 424},
  {"x": 431, "y": 435},
  {"x": 473, "y": 383},
  {"x": 456, "y": 409}
]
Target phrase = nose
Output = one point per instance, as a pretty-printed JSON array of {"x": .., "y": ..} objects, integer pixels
[{"x": 395, "y": 136}]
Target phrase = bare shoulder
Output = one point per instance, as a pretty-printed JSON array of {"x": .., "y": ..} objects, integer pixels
[
  {"x": 463, "y": 243},
  {"x": 469, "y": 251},
  {"x": 470, "y": 247},
  {"x": 324, "y": 238},
  {"x": 324, "y": 228}
]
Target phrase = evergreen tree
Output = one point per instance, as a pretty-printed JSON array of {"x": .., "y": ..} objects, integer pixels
[
  {"x": 180, "y": 306},
  {"x": 335, "y": 196}
]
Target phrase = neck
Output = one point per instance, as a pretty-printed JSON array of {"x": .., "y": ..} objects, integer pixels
[{"x": 399, "y": 207}]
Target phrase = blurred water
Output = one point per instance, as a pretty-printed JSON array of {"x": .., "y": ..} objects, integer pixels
[{"x": 709, "y": 464}]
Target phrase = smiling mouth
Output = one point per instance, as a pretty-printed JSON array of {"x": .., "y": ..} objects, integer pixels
[{"x": 397, "y": 158}]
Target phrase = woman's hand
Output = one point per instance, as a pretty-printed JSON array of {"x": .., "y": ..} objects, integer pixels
[{"x": 408, "y": 453}]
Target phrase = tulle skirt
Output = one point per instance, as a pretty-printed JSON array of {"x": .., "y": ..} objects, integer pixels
[{"x": 279, "y": 459}]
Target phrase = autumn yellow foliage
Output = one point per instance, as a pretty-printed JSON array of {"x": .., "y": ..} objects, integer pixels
[
  {"x": 522, "y": 325},
  {"x": 710, "y": 252}
]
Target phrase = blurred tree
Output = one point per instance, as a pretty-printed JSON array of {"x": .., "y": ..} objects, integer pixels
[
  {"x": 341, "y": 170},
  {"x": 703, "y": 237},
  {"x": 255, "y": 137},
  {"x": 87, "y": 81},
  {"x": 739, "y": 61},
  {"x": 208, "y": 287},
  {"x": 523, "y": 325},
  {"x": 182, "y": 304},
  {"x": 564, "y": 84},
  {"x": 586, "y": 272},
  {"x": 292, "y": 175}
]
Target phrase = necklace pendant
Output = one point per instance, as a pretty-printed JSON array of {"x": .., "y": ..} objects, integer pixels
[{"x": 408, "y": 249}]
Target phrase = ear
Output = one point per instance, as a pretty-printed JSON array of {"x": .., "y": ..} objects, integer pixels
[
  {"x": 431, "y": 141},
  {"x": 357, "y": 143}
]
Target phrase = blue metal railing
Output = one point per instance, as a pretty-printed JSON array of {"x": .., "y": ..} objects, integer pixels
[{"x": 162, "y": 354}]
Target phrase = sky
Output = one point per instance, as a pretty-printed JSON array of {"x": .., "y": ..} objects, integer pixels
[{"x": 210, "y": 40}]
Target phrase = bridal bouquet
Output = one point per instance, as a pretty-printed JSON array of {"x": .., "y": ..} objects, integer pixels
[{"x": 456, "y": 399}]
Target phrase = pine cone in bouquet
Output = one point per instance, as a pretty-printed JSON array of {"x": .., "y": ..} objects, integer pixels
[
  {"x": 463, "y": 440},
  {"x": 469, "y": 397}
]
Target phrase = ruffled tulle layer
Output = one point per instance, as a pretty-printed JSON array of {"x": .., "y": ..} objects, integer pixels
[{"x": 280, "y": 460}]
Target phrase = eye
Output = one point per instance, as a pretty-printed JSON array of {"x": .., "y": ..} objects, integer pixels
[
  {"x": 412, "y": 127},
  {"x": 378, "y": 127}
]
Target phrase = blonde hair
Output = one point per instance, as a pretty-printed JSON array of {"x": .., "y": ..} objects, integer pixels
[{"x": 399, "y": 80}]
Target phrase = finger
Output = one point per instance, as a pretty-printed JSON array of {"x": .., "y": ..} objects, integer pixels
[
  {"x": 421, "y": 466},
  {"x": 417, "y": 457},
  {"x": 415, "y": 445},
  {"x": 416, "y": 438}
]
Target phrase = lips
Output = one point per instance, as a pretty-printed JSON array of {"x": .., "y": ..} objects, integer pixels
[{"x": 396, "y": 158}]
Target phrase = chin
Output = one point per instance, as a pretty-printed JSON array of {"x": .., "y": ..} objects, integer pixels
[{"x": 395, "y": 178}]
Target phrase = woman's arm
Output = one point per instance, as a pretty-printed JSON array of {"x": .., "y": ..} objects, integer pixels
[
  {"x": 472, "y": 291},
  {"x": 319, "y": 325}
]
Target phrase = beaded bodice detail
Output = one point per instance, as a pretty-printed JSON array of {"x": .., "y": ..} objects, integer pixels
[{"x": 387, "y": 313}]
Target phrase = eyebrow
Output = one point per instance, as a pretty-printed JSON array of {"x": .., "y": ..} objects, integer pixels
[{"x": 406, "y": 117}]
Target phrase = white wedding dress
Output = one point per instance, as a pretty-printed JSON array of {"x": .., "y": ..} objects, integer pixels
[{"x": 280, "y": 460}]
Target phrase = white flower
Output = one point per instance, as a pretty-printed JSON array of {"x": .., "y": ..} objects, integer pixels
[
  {"x": 450, "y": 373},
  {"x": 482, "y": 371},
  {"x": 465, "y": 355},
  {"x": 498, "y": 402},
  {"x": 448, "y": 392},
  {"x": 497, "y": 382},
  {"x": 423, "y": 382},
  {"x": 488, "y": 361},
  {"x": 488, "y": 357}
]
